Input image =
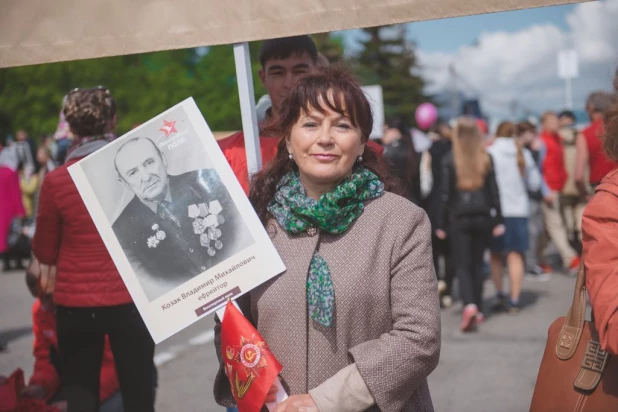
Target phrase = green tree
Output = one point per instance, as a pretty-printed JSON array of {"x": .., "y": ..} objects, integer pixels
[
  {"x": 27, "y": 99},
  {"x": 144, "y": 85},
  {"x": 388, "y": 59},
  {"x": 330, "y": 45},
  {"x": 217, "y": 96}
]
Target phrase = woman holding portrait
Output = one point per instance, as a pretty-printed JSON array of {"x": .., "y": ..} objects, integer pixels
[{"x": 355, "y": 318}]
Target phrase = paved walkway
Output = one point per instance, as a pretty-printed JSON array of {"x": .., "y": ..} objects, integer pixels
[{"x": 493, "y": 370}]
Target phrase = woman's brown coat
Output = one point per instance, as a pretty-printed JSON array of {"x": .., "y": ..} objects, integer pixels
[{"x": 387, "y": 315}]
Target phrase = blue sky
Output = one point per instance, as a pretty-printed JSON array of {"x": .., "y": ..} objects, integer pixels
[
  {"x": 509, "y": 57},
  {"x": 447, "y": 35}
]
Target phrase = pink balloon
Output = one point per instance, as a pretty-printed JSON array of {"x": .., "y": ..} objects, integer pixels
[{"x": 426, "y": 115}]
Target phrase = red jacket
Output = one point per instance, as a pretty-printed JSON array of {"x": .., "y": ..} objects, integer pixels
[
  {"x": 379, "y": 149},
  {"x": 45, "y": 374},
  {"x": 600, "y": 242},
  {"x": 10, "y": 203},
  {"x": 600, "y": 164},
  {"x": 67, "y": 237},
  {"x": 554, "y": 172},
  {"x": 233, "y": 148}
]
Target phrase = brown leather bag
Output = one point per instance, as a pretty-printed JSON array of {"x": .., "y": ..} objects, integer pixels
[{"x": 576, "y": 374}]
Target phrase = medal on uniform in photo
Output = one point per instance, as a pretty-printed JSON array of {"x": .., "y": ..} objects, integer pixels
[
  {"x": 206, "y": 221},
  {"x": 159, "y": 236}
]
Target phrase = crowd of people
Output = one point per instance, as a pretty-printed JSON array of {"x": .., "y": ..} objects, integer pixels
[
  {"x": 531, "y": 186},
  {"x": 408, "y": 224},
  {"x": 24, "y": 163}
]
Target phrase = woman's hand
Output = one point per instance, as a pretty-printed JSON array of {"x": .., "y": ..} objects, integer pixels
[
  {"x": 440, "y": 234},
  {"x": 48, "y": 278},
  {"x": 297, "y": 403},
  {"x": 498, "y": 230}
]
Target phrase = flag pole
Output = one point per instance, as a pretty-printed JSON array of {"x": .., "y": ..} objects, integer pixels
[{"x": 246, "y": 94}]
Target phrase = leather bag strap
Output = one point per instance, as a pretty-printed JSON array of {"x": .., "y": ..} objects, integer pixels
[{"x": 571, "y": 331}]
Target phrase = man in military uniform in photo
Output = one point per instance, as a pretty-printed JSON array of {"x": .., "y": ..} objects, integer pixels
[{"x": 175, "y": 227}]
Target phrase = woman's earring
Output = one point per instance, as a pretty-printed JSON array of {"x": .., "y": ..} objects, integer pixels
[
  {"x": 359, "y": 159},
  {"x": 291, "y": 156}
]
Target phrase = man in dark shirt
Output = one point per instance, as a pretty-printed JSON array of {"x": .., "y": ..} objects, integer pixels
[{"x": 438, "y": 150}]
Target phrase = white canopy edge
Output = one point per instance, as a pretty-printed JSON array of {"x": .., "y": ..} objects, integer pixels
[{"x": 43, "y": 31}]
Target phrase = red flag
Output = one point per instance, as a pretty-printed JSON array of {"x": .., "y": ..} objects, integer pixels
[{"x": 249, "y": 364}]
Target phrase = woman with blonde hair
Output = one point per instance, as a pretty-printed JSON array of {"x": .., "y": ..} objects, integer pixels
[
  {"x": 516, "y": 173},
  {"x": 468, "y": 214}
]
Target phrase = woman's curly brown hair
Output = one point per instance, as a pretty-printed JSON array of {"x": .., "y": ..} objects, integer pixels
[
  {"x": 610, "y": 142},
  {"x": 89, "y": 112},
  {"x": 331, "y": 88}
]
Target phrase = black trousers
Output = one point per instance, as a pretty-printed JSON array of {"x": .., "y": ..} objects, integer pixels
[
  {"x": 442, "y": 248},
  {"x": 81, "y": 336},
  {"x": 468, "y": 241}
]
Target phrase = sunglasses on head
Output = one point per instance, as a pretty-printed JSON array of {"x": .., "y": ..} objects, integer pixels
[{"x": 99, "y": 88}]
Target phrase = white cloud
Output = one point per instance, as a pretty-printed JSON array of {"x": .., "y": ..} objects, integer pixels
[
  {"x": 522, "y": 65},
  {"x": 595, "y": 30}
]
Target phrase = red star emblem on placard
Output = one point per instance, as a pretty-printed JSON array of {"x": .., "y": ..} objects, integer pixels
[{"x": 168, "y": 127}]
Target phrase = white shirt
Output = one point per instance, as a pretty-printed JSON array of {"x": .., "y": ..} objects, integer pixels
[{"x": 512, "y": 185}]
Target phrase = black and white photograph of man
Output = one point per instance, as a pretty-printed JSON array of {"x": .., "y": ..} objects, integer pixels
[
  {"x": 176, "y": 226},
  {"x": 175, "y": 220}
]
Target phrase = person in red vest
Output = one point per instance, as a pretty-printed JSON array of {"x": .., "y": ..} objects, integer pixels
[
  {"x": 283, "y": 62},
  {"x": 590, "y": 153},
  {"x": 555, "y": 177}
]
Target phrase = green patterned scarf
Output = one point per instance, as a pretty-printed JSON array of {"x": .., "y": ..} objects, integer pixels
[{"x": 333, "y": 213}]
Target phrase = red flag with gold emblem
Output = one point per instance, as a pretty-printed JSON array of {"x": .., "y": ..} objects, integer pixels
[{"x": 249, "y": 365}]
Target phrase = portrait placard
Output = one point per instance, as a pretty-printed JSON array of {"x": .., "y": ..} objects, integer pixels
[{"x": 175, "y": 220}]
